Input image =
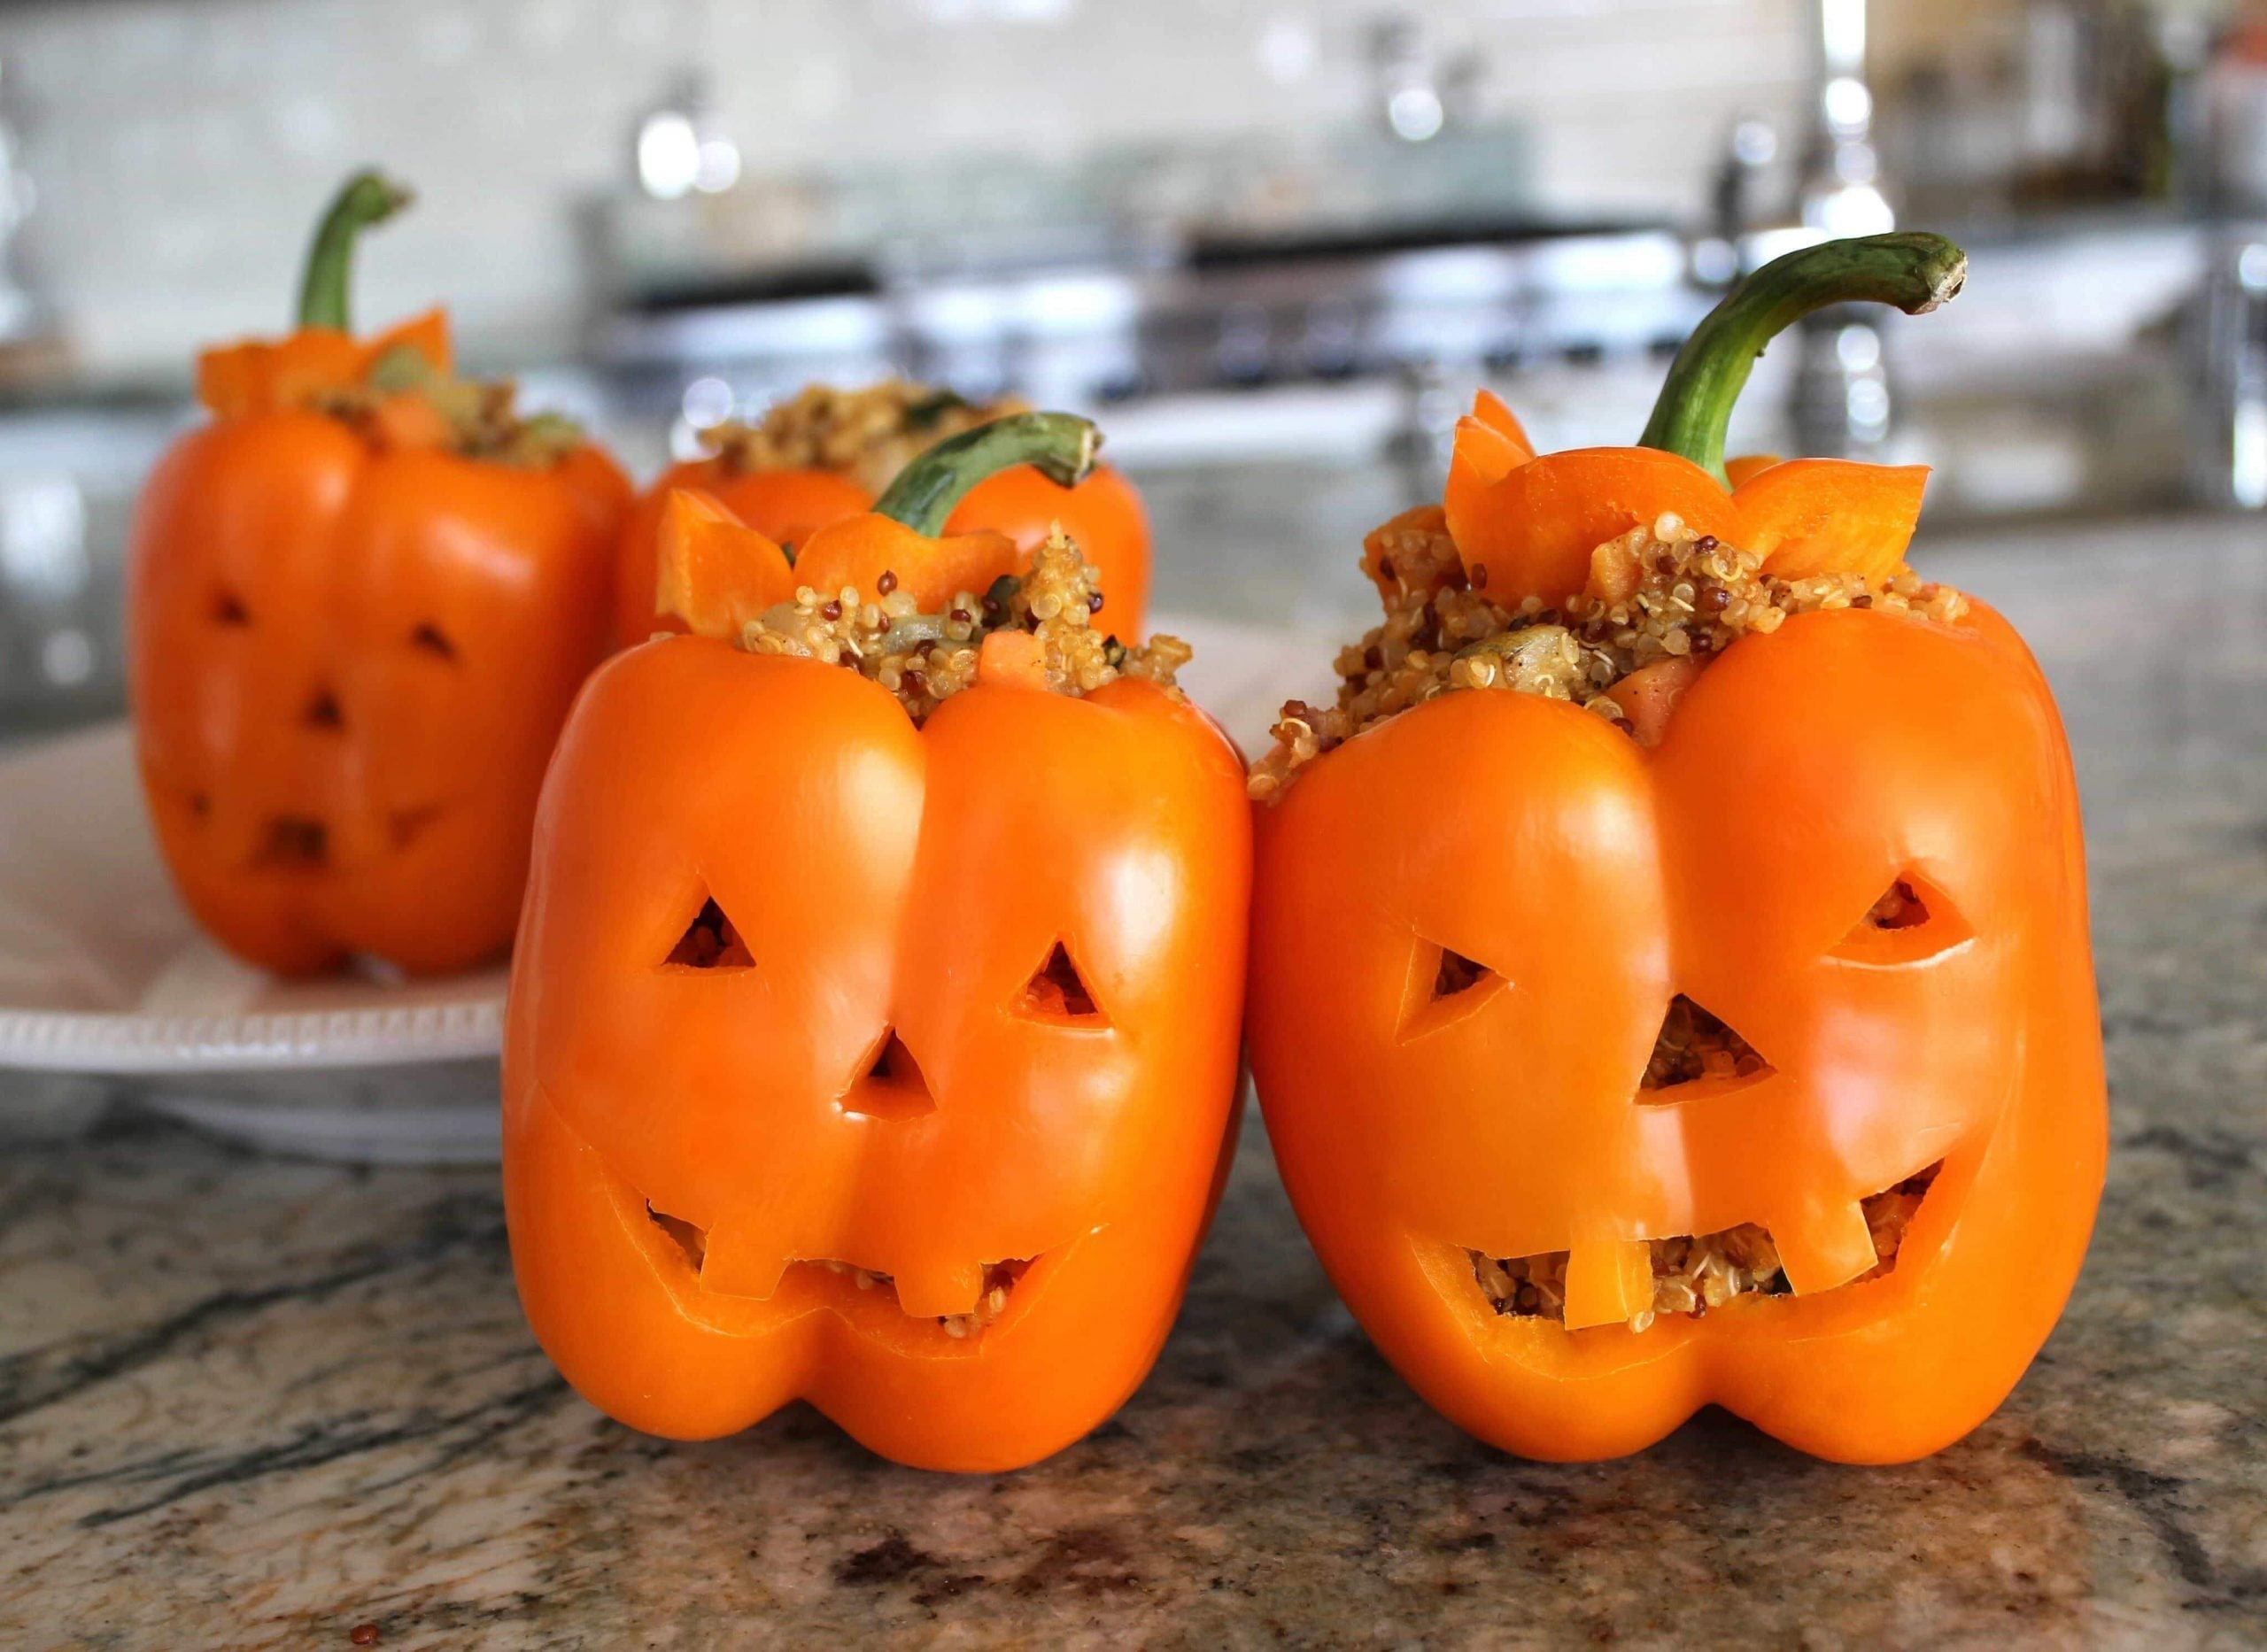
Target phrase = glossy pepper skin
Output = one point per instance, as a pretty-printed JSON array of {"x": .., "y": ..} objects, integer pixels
[
  {"x": 348, "y": 655},
  {"x": 1592, "y": 879},
  {"x": 1102, "y": 513},
  {"x": 867, "y": 1076}
]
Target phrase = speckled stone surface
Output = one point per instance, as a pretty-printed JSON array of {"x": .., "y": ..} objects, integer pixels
[{"x": 254, "y": 1403}]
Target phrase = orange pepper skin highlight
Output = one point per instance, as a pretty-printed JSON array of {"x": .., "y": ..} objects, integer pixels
[
  {"x": 895, "y": 891},
  {"x": 347, "y": 662},
  {"x": 1729, "y": 853}
]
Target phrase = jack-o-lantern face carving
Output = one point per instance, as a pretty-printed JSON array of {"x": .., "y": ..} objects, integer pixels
[
  {"x": 882, "y": 1066},
  {"x": 347, "y": 669},
  {"x": 358, "y": 604},
  {"x": 1820, "y": 954}
]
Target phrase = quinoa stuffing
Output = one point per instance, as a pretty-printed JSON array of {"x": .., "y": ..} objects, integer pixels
[
  {"x": 1657, "y": 593},
  {"x": 1694, "y": 1273},
  {"x": 925, "y": 659},
  {"x": 867, "y": 434},
  {"x": 406, "y": 401}
]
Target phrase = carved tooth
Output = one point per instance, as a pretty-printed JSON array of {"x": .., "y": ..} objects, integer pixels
[
  {"x": 742, "y": 1266},
  {"x": 1609, "y": 1282},
  {"x": 935, "y": 1289},
  {"x": 1825, "y": 1247}
]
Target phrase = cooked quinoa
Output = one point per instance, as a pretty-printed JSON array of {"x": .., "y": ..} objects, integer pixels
[
  {"x": 868, "y": 435},
  {"x": 1694, "y": 1273},
  {"x": 1657, "y": 593},
  {"x": 926, "y": 658}
]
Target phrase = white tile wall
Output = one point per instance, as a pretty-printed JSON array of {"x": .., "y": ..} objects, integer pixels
[{"x": 181, "y": 146}]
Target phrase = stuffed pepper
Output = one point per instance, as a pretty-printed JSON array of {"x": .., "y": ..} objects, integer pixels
[
  {"x": 874, "y": 1018},
  {"x": 827, "y": 453},
  {"x": 360, "y": 601},
  {"x": 1670, "y": 976}
]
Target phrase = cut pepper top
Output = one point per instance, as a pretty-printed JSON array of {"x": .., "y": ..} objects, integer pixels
[
  {"x": 399, "y": 389},
  {"x": 925, "y": 615}
]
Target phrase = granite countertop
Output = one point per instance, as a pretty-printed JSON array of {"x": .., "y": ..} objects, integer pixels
[{"x": 258, "y": 1403}]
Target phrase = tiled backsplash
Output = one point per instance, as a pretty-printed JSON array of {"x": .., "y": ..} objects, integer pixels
[{"x": 181, "y": 149}]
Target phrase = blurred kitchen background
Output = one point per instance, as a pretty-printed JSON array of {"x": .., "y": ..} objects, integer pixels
[{"x": 1273, "y": 244}]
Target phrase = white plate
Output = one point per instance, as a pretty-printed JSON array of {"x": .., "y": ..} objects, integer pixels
[{"x": 108, "y": 988}]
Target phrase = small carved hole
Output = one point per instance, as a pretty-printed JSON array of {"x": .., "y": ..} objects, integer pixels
[
  {"x": 688, "y": 1239},
  {"x": 429, "y": 636},
  {"x": 894, "y": 1086},
  {"x": 1057, "y": 989},
  {"x": 894, "y": 1064},
  {"x": 228, "y": 609},
  {"x": 294, "y": 841},
  {"x": 1695, "y": 1043},
  {"x": 710, "y": 942},
  {"x": 1457, "y": 973},
  {"x": 322, "y": 711},
  {"x": 405, "y": 826},
  {"x": 1902, "y": 907}
]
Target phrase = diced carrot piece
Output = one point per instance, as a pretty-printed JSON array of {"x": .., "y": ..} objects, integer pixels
[
  {"x": 1650, "y": 693},
  {"x": 1012, "y": 659}
]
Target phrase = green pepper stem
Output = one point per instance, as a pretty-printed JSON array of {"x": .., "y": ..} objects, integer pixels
[
  {"x": 1062, "y": 445},
  {"x": 1913, "y": 271},
  {"x": 366, "y": 199}
]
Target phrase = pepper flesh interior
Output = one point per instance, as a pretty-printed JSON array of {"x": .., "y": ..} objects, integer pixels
[{"x": 1695, "y": 1272}]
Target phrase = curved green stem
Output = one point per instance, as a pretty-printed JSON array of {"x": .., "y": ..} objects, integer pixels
[
  {"x": 1913, "y": 271},
  {"x": 1062, "y": 445},
  {"x": 366, "y": 199}
]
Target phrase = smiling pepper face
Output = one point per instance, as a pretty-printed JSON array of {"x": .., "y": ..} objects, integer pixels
[
  {"x": 348, "y": 666},
  {"x": 1752, "y": 993},
  {"x": 883, "y": 1066}
]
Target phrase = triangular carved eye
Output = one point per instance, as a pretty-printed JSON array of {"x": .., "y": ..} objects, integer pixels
[
  {"x": 1445, "y": 985},
  {"x": 1457, "y": 973},
  {"x": 1057, "y": 992},
  {"x": 1911, "y": 920},
  {"x": 710, "y": 942},
  {"x": 1694, "y": 1043}
]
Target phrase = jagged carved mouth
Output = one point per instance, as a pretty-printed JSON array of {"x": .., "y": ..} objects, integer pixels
[
  {"x": 846, "y": 1286},
  {"x": 1694, "y": 1274},
  {"x": 302, "y": 842}
]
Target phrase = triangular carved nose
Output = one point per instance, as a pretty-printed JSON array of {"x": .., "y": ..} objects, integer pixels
[
  {"x": 893, "y": 1085},
  {"x": 1694, "y": 1043},
  {"x": 710, "y": 942}
]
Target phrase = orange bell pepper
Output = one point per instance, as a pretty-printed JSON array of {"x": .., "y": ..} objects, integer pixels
[
  {"x": 351, "y": 647},
  {"x": 887, "y": 1066},
  {"x": 1470, "y": 922},
  {"x": 1102, "y": 513}
]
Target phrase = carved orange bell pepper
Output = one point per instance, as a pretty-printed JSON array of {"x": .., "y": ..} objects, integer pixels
[
  {"x": 1753, "y": 1061},
  {"x": 887, "y": 1064},
  {"x": 1102, "y": 515},
  {"x": 360, "y": 601}
]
